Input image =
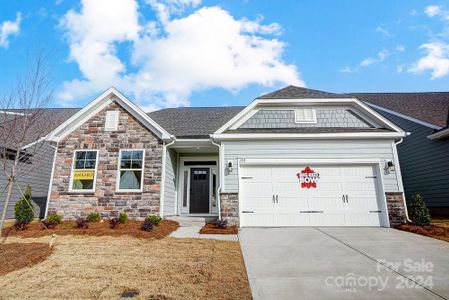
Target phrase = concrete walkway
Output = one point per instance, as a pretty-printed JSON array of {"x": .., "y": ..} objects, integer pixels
[
  {"x": 190, "y": 227},
  {"x": 344, "y": 263}
]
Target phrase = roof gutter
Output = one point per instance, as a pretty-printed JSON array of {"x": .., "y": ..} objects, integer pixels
[
  {"x": 439, "y": 134},
  {"x": 307, "y": 136}
]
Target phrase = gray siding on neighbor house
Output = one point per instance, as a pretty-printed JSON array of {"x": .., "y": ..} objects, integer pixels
[
  {"x": 424, "y": 163},
  {"x": 37, "y": 175},
  {"x": 170, "y": 183},
  {"x": 285, "y": 118},
  {"x": 349, "y": 149}
]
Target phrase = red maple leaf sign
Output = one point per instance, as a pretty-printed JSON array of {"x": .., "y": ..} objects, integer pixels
[{"x": 308, "y": 178}]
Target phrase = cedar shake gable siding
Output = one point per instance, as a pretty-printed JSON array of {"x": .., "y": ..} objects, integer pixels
[{"x": 131, "y": 134}]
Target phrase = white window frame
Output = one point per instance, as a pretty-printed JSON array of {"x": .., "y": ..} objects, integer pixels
[
  {"x": 313, "y": 121},
  {"x": 117, "y": 184},
  {"x": 71, "y": 189}
]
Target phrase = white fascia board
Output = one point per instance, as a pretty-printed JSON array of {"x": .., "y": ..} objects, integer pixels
[
  {"x": 243, "y": 115},
  {"x": 309, "y": 136},
  {"x": 392, "y": 112},
  {"x": 319, "y": 161},
  {"x": 100, "y": 103},
  {"x": 440, "y": 134}
]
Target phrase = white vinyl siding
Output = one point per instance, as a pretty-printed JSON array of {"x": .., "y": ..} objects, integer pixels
[
  {"x": 170, "y": 183},
  {"x": 348, "y": 149}
]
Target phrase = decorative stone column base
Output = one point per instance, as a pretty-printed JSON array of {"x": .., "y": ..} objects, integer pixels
[
  {"x": 229, "y": 205},
  {"x": 396, "y": 208}
]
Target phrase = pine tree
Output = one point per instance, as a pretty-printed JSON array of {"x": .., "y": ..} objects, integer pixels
[
  {"x": 23, "y": 210},
  {"x": 418, "y": 211}
]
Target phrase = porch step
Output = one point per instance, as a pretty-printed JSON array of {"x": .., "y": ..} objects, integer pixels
[{"x": 192, "y": 221}]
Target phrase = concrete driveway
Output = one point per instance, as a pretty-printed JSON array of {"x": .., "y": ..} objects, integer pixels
[{"x": 344, "y": 263}]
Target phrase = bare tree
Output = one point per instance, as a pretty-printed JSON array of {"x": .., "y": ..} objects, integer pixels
[{"x": 24, "y": 123}]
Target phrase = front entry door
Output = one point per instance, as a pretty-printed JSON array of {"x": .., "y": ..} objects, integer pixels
[{"x": 199, "y": 190}]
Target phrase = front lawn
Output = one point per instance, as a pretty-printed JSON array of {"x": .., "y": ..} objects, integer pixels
[{"x": 90, "y": 267}]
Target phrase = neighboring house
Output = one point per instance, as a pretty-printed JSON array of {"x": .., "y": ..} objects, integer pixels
[
  {"x": 36, "y": 169},
  {"x": 294, "y": 157},
  {"x": 424, "y": 155}
]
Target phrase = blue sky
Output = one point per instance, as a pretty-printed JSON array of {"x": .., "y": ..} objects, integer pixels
[{"x": 212, "y": 53}]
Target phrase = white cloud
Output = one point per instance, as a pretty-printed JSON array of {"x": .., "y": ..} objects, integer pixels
[
  {"x": 413, "y": 12},
  {"x": 381, "y": 29},
  {"x": 381, "y": 55},
  {"x": 436, "y": 60},
  {"x": 172, "y": 57},
  {"x": 433, "y": 10},
  {"x": 400, "y": 48},
  {"x": 8, "y": 28},
  {"x": 346, "y": 70},
  {"x": 400, "y": 68}
]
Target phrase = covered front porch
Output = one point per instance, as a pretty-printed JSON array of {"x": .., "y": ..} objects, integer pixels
[{"x": 191, "y": 187}]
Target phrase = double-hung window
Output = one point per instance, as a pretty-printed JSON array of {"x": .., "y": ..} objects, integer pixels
[
  {"x": 84, "y": 171},
  {"x": 130, "y": 171}
]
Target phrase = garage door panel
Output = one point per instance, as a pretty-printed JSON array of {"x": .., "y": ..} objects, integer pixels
[
  {"x": 257, "y": 189},
  {"x": 327, "y": 219},
  {"x": 327, "y": 204},
  {"x": 363, "y": 219},
  {"x": 291, "y": 219},
  {"x": 257, "y": 174},
  {"x": 257, "y": 219},
  {"x": 345, "y": 196}
]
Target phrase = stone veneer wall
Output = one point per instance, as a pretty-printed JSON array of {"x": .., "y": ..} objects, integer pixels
[
  {"x": 229, "y": 206},
  {"x": 131, "y": 134},
  {"x": 396, "y": 208}
]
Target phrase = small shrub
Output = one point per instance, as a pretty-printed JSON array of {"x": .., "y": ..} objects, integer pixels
[
  {"x": 114, "y": 223},
  {"x": 82, "y": 223},
  {"x": 418, "y": 211},
  {"x": 222, "y": 224},
  {"x": 153, "y": 219},
  {"x": 23, "y": 210},
  {"x": 93, "y": 217},
  {"x": 147, "y": 225},
  {"x": 57, "y": 219},
  {"x": 20, "y": 225},
  {"x": 123, "y": 217},
  {"x": 48, "y": 224}
]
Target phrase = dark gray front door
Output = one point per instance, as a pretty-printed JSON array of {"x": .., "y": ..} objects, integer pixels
[{"x": 199, "y": 190}]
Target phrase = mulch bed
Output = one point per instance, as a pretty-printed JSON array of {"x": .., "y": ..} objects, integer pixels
[
  {"x": 434, "y": 231},
  {"x": 131, "y": 228},
  {"x": 16, "y": 256},
  {"x": 213, "y": 229}
]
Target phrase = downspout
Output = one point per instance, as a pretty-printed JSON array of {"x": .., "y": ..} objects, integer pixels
[
  {"x": 399, "y": 174},
  {"x": 162, "y": 189},
  {"x": 220, "y": 161},
  {"x": 50, "y": 184}
]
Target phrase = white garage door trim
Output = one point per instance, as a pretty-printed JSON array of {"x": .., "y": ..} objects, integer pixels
[{"x": 376, "y": 163}]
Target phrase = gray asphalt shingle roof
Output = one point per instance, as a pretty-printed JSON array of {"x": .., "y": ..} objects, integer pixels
[
  {"x": 295, "y": 92},
  {"x": 432, "y": 107},
  {"x": 194, "y": 122}
]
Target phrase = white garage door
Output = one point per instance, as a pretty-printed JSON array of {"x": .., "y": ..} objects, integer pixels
[{"x": 343, "y": 196}]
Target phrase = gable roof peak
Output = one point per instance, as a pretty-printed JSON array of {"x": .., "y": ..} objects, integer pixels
[{"x": 296, "y": 92}]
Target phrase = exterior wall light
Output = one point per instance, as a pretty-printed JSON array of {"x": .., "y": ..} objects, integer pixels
[{"x": 230, "y": 165}]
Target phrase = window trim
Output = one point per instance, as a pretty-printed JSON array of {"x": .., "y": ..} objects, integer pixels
[
  {"x": 313, "y": 121},
  {"x": 117, "y": 184},
  {"x": 71, "y": 189}
]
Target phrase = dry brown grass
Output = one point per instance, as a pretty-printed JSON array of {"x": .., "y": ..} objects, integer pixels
[
  {"x": 441, "y": 222},
  {"x": 86, "y": 267},
  {"x": 131, "y": 228},
  {"x": 15, "y": 256}
]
